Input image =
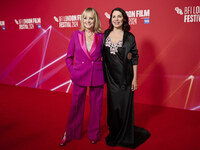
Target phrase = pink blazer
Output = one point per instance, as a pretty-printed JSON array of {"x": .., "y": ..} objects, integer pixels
[{"x": 85, "y": 67}]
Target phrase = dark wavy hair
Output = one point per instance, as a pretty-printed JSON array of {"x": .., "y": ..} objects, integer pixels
[{"x": 125, "y": 26}]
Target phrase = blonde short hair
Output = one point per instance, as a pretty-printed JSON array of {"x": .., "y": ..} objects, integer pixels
[{"x": 97, "y": 23}]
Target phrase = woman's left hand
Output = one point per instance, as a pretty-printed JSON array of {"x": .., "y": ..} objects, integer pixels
[{"x": 134, "y": 84}]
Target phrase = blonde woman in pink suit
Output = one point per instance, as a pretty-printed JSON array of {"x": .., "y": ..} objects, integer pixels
[{"x": 84, "y": 61}]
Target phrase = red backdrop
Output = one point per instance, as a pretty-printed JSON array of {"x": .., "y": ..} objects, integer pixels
[{"x": 34, "y": 36}]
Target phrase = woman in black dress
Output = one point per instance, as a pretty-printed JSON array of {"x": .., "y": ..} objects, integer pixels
[{"x": 120, "y": 60}]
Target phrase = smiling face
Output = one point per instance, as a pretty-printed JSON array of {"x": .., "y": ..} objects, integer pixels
[
  {"x": 89, "y": 20},
  {"x": 117, "y": 19}
]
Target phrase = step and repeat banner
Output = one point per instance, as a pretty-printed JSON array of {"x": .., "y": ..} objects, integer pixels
[{"x": 34, "y": 37}]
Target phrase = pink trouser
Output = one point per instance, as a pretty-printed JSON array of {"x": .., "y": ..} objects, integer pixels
[{"x": 75, "y": 121}]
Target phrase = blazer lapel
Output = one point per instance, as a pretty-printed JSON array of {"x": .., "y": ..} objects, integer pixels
[
  {"x": 81, "y": 37},
  {"x": 95, "y": 43}
]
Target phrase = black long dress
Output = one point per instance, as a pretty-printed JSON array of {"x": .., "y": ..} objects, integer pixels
[{"x": 119, "y": 74}]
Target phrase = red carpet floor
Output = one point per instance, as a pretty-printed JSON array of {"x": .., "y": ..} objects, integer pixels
[{"x": 33, "y": 119}]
